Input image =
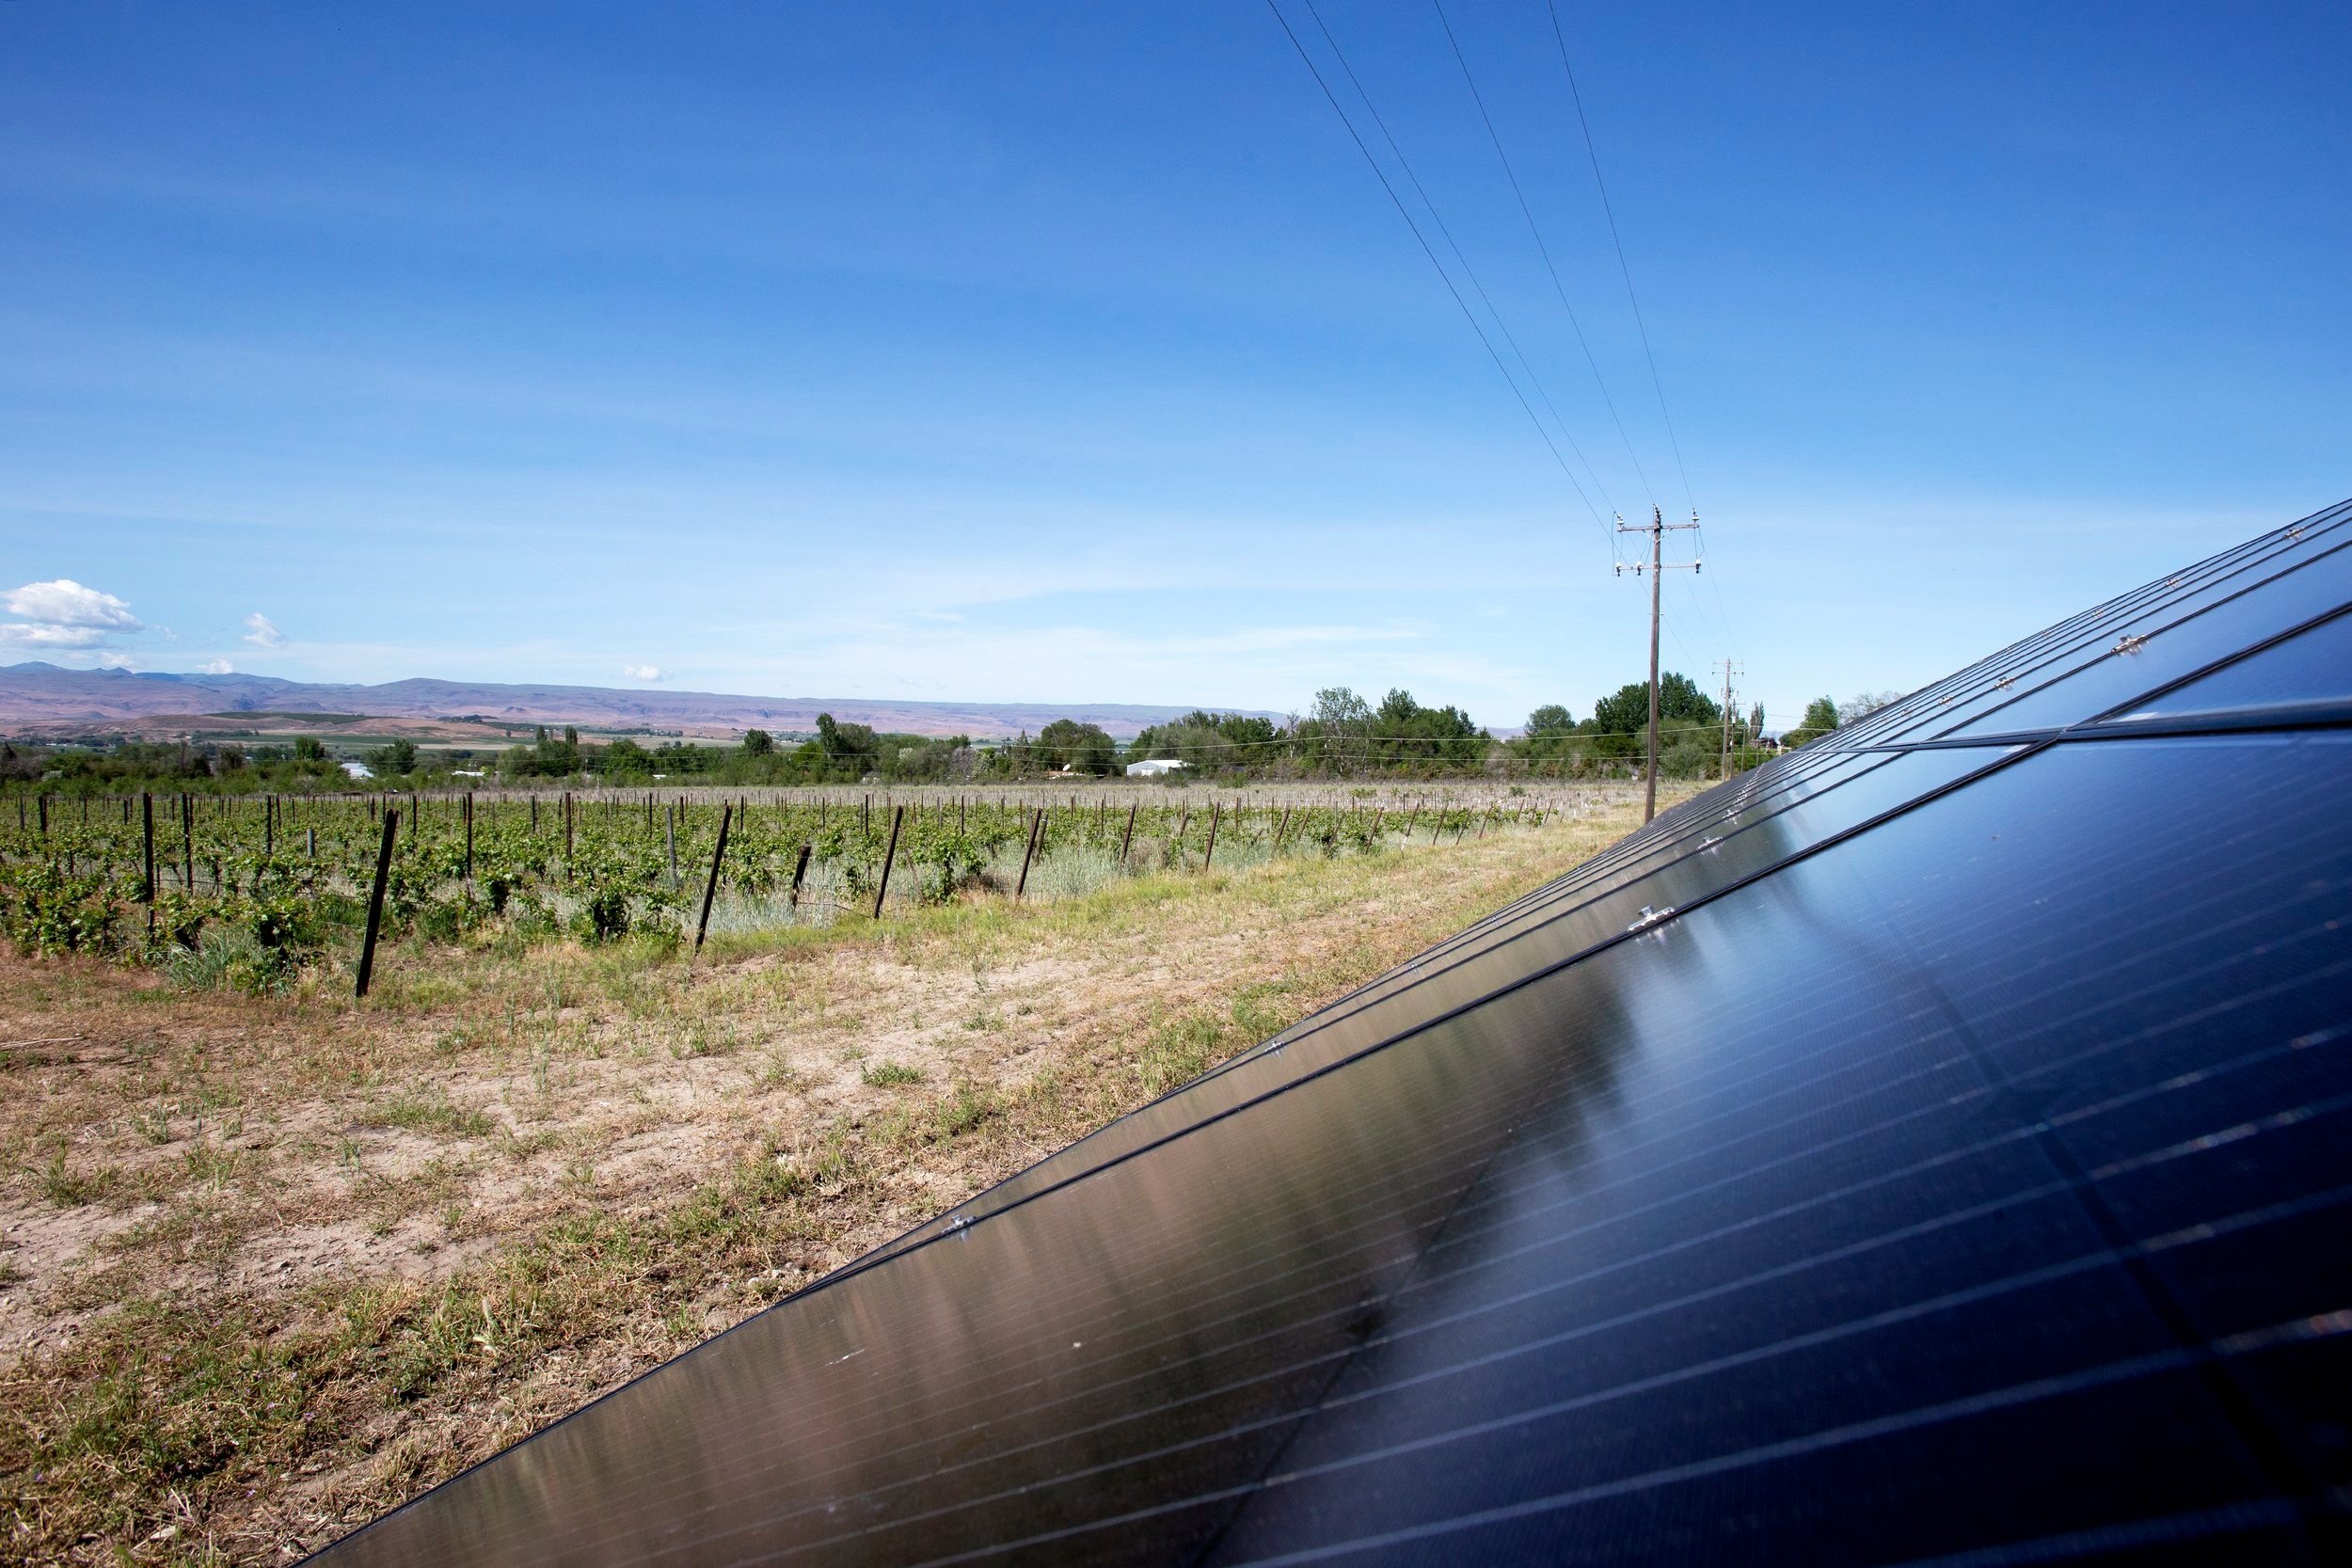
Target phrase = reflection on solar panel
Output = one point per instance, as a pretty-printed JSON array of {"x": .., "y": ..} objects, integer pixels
[{"x": 1935, "y": 1146}]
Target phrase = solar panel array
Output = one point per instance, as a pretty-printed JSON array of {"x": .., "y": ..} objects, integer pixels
[{"x": 1933, "y": 1147}]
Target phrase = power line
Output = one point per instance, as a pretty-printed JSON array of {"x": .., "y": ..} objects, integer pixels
[
  {"x": 1536, "y": 230},
  {"x": 1591, "y": 470},
  {"x": 1624, "y": 270},
  {"x": 1443, "y": 276}
]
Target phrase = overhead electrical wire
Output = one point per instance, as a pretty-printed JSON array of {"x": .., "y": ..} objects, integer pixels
[
  {"x": 1591, "y": 470},
  {"x": 1624, "y": 270},
  {"x": 1443, "y": 276},
  {"x": 1536, "y": 230},
  {"x": 1501, "y": 326}
]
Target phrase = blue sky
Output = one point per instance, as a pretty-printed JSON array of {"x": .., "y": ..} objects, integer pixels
[{"x": 1064, "y": 352}]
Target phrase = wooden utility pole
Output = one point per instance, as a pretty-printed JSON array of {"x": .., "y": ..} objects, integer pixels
[
  {"x": 1656, "y": 566},
  {"x": 1729, "y": 669}
]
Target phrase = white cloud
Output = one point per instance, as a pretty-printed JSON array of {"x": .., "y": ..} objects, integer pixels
[
  {"x": 114, "y": 661},
  {"x": 38, "y": 635},
  {"x": 641, "y": 672},
  {"x": 63, "y": 614},
  {"x": 66, "y": 602},
  {"x": 219, "y": 667},
  {"x": 261, "y": 633}
]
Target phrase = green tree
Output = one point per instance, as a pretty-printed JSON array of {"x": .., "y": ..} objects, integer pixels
[
  {"x": 759, "y": 743},
  {"x": 1081, "y": 748},
  {"x": 626, "y": 759},
  {"x": 1342, "y": 727},
  {"x": 391, "y": 761},
  {"x": 1550, "y": 720},
  {"x": 1820, "y": 717},
  {"x": 1404, "y": 733},
  {"x": 849, "y": 749},
  {"x": 1680, "y": 705}
]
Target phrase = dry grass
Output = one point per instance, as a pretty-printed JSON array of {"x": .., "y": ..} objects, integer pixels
[{"x": 270, "y": 1267}]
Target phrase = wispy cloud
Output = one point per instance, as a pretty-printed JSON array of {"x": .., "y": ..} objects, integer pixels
[
  {"x": 261, "y": 632},
  {"x": 219, "y": 667},
  {"x": 641, "y": 672}
]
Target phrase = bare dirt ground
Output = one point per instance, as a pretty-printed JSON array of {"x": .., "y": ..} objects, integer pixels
[{"x": 268, "y": 1268}]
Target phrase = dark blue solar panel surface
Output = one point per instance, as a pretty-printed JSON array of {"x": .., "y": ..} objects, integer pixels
[
  {"x": 2313, "y": 666},
  {"x": 1954, "y": 1164}
]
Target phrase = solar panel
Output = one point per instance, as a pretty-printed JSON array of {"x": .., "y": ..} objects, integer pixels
[{"x": 1935, "y": 1147}]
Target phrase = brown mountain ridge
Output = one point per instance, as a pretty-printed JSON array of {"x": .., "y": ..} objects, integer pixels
[{"x": 39, "y": 700}]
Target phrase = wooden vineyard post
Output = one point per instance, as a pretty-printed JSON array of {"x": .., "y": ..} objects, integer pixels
[
  {"x": 710, "y": 888},
  {"x": 187, "y": 844},
  {"x": 1037, "y": 824},
  {"x": 568, "y": 833},
  {"x": 534, "y": 813},
  {"x": 311, "y": 849},
  {"x": 1129, "y": 837},
  {"x": 470, "y": 835},
  {"x": 375, "y": 902},
  {"x": 41, "y": 801},
  {"x": 881, "y": 886},
  {"x": 799, "y": 871},
  {"x": 269, "y": 825},
  {"x": 147, "y": 861},
  {"x": 1210, "y": 853},
  {"x": 669, "y": 832}
]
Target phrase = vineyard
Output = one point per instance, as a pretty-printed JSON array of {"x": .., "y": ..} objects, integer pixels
[
  {"x": 271, "y": 1261},
  {"x": 267, "y": 894}
]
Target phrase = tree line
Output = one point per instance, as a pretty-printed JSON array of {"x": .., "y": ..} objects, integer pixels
[{"x": 1341, "y": 734}]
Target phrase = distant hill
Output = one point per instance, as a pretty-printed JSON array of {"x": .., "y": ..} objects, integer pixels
[{"x": 39, "y": 699}]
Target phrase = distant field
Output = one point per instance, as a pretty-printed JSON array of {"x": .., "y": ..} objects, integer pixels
[{"x": 271, "y": 1265}]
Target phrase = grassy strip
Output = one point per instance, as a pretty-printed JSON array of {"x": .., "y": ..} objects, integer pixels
[{"x": 202, "y": 1423}]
